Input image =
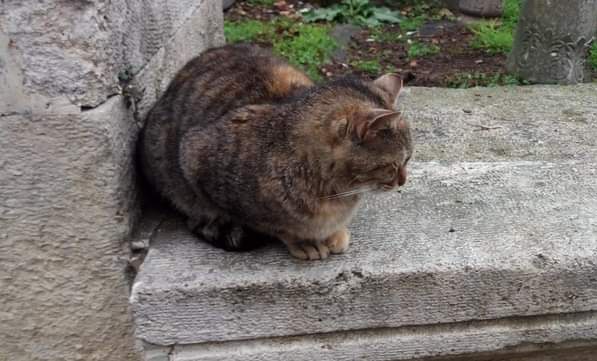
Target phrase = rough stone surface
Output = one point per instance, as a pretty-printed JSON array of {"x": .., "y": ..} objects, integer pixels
[
  {"x": 67, "y": 192},
  {"x": 503, "y": 124},
  {"x": 227, "y": 4},
  {"x": 203, "y": 29},
  {"x": 497, "y": 223},
  {"x": 77, "y": 48},
  {"x": 342, "y": 34},
  {"x": 515, "y": 340},
  {"x": 453, "y": 247},
  {"x": 481, "y": 7},
  {"x": 552, "y": 41}
]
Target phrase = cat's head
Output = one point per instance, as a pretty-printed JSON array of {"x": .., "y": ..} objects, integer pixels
[{"x": 370, "y": 140}]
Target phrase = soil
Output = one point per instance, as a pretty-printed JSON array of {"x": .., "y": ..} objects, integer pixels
[{"x": 455, "y": 63}]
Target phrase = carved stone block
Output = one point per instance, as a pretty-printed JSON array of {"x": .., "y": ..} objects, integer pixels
[{"x": 553, "y": 41}]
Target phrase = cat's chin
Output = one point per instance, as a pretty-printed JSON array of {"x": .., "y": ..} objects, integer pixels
[{"x": 384, "y": 188}]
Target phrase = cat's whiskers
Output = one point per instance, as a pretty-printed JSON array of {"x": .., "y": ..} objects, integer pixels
[{"x": 348, "y": 193}]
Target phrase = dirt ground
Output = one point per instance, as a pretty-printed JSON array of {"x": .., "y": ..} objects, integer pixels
[{"x": 453, "y": 62}]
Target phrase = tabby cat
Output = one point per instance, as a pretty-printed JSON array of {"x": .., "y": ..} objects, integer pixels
[{"x": 243, "y": 143}]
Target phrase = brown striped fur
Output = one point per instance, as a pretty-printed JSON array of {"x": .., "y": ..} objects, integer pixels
[{"x": 241, "y": 142}]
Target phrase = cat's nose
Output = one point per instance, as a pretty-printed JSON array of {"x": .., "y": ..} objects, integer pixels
[{"x": 401, "y": 178}]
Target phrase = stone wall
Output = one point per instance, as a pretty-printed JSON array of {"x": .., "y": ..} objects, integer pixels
[{"x": 67, "y": 182}]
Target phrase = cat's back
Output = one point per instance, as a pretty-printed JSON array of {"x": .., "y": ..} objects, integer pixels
[
  {"x": 214, "y": 83},
  {"x": 222, "y": 79}
]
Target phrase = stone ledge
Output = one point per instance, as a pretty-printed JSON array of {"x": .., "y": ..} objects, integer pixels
[
  {"x": 532, "y": 338},
  {"x": 452, "y": 247},
  {"x": 478, "y": 239}
]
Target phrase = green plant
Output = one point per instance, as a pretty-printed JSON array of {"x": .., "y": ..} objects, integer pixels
[
  {"x": 412, "y": 23},
  {"x": 427, "y": 8},
  {"x": 420, "y": 50},
  {"x": 593, "y": 56},
  {"x": 308, "y": 46},
  {"x": 262, "y": 2},
  {"x": 390, "y": 69},
  {"x": 492, "y": 37},
  {"x": 249, "y": 30},
  {"x": 305, "y": 45},
  {"x": 368, "y": 66},
  {"x": 359, "y": 12},
  {"x": 497, "y": 37},
  {"x": 469, "y": 80},
  {"x": 385, "y": 35},
  {"x": 511, "y": 13}
]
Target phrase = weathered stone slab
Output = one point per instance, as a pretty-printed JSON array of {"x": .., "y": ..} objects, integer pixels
[
  {"x": 504, "y": 123},
  {"x": 545, "y": 339},
  {"x": 465, "y": 241}
]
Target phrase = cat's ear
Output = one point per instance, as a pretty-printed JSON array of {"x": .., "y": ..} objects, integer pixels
[
  {"x": 375, "y": 120},
  {"x": 390, "y": 84},
  {"x": 386, "y": 120}
]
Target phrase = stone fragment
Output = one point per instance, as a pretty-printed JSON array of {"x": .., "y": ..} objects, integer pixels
[
  {"x": 481, "y": 8},
  {"x": 552, "y": 41}
]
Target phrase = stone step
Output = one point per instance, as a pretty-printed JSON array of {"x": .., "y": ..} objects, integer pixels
[
  {"x": 483, "y": 252},
  {"x": 530, "y": 339}
]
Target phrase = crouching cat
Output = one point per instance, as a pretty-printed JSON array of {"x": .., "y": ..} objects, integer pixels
[{"x": 242, "y": 142}]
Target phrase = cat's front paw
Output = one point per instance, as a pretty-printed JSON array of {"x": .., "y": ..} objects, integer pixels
[
  {"x": 338, "y": 242},
  {"x": 309, "y": 251}
]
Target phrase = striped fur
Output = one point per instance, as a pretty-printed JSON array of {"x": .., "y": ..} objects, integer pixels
[{"x": 245, "y": 145}]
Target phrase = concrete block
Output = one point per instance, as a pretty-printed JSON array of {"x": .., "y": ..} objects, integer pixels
[
  {"x": 67, "y": 184},
  {"x": 67, "y": 204},
  {"x": 488, "y": 253}
]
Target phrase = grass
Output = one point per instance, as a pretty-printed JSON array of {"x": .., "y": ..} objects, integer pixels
[
  {"x": 419, "y": 50},
  {"x": 492, "y": 36},
  {"x": 382, "y": 35},
  {"x": 311, "y": 47},
  {"x": 368, "y": 66},
  {"x": 496, "y": 37},
  {"x": 306, "y": 45},
  {"x": 262, "y": 2},
  {"x": 249, "y": 30},
  {"x": 469, "y": 80},
  {"x": 412, "y": 23},
  {"x": 593, "y": 56}
]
